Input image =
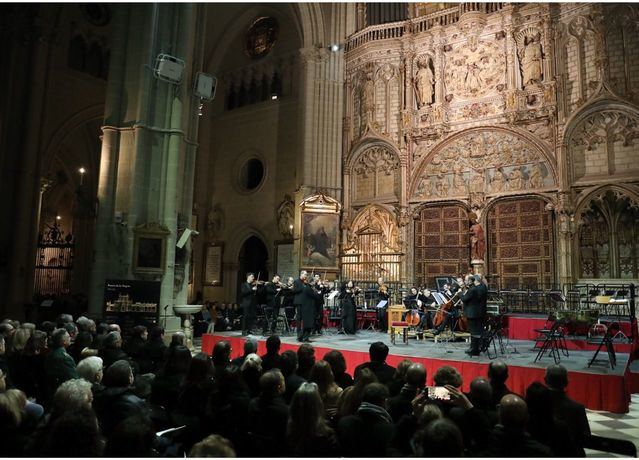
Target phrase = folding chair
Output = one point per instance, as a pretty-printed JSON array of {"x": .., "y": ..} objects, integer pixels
[
  {"x": 606, "y": 341},
  {"x": 610, "y": 445},
  {"x": 554, "y": 342}
]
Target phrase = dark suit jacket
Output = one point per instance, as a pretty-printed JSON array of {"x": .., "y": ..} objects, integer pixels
[
  {"x": 475, "y": 301},
  {"x": 382, "y": 371},
  {"x": 363, "y": 435},
  {"x": 248, "y": 297},
  {"x": 400, "y": 405},
  {"x": 572, "y": 414},
  {"x": 59, "y": 367},
  {"x": 305, "y": 297}
]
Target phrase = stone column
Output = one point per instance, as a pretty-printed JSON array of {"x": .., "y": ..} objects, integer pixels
[{"x": 147, "y": 167}]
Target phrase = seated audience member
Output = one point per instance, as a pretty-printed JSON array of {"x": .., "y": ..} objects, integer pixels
[
  {"x": 85, "y": 325},
  {"x": 369, "y": 432},
  {"x": 178, "y": 339},
  {"x": 91, "y": 370},
  {"x": 58, "y": 364},
  {"x": 82, "y": 346},
  {"x": 250, "y": 347},
  {"x": 228, "y": 409},
  {"x": 351, "y": 398},
  {"x": 115, "y": 327},
  {"x": 271, "y": 359},
  {"x": 118, "y": 401},
  {"x": 251, "y": 373},
  {"x": 13, "y": 430},
  {"x": 166, "y": 385},
  {"x": 268, "y": 416},
  {"x": 153, "y": 351},
  {"x": 338, "y": 365},
  {"x": 132, "y": 437},
  {"x": 544, "y": 428},
  {"x": 481, "y": 396},
  {"x": 29, "y": 376},
  {"x": 305, "y": 360},
  {"x": 213, "y": 445},
  {"x": 288, "y": 366},
  {"x": 74, "y": 434},
  {"x": 440, "y": 438},
  {"x": 101, "y": 332},
  {"x": 565, "y": 409},
  {"x": 378, "y": 352},
  {"x": 112, "y": 349},
  {"x": 497, "y": 375},
  {"x": 401, "y": 404},
  {"x": 322, "y": 375},
  {"x": 447, "y": 375},
  {"x": 308, "y": 433},
  {"x": 197, "y": 386},
  {"x": 72, "y": 329},
  {"x": 134, "y": 347},
  {"x": 4, "y": 365},
  {"x": 20, "y": 337},
  {"x": 510, "y": 438},
  {"x": 399, "y": 378},
  {"x": 221, "y": 355}
]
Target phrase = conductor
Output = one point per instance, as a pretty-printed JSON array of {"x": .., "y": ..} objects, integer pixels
[
  {"x": 304, "y": 301},
  {"x": 475, "y": 310}
]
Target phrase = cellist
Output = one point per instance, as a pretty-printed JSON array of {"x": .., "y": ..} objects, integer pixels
[{"x": 449, "y": 311}]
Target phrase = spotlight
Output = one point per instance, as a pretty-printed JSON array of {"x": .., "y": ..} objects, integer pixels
[
  {"x": 58, "y": 217},
  {"x": 273, "y": 96},
  {"x": 334, "y": 47}
]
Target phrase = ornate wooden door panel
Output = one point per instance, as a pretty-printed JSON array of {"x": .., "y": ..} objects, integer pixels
[
  {"x": 520, "y": 244},
  {"x": 441, "y": 243}
]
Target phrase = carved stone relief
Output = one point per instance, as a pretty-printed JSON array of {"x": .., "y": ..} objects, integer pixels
[
  {"x": 484, "y": 162},
  {"x": 606, "y": 126},
  {"x": 375, "y": 173},
  {"x": 374, "y": 220},
  {"x": 474, "y": 73}
]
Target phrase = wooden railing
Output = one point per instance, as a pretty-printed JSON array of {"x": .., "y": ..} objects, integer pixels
[{"x": 418, "y": 25}]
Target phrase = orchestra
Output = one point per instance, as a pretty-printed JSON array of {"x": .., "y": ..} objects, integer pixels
[{"x": 456, "y": 306}]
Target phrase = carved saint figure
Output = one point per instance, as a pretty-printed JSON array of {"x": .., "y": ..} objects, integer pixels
[
  {"x": 368, "y": 94},
  {"x": 536, "y": 179},
  {"x": 497, "y": 182},
  {"x": 531, "y": 61},
  {"x": 441, "y": 186},
  {"x": 424, "y": 81},
  {"x": 515, "y": 179},
  {"x": 214, "y": 222},
  {"x": 459, "y": 183},
  {"x": 285, "y": 216},
  {"x": 478, "y": 181},
  {"x": 477, "y": 241},
  {"x": 473, "y": 80}
]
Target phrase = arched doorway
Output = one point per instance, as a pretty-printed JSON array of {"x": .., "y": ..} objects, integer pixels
[
  {"x": 521, "y": 244},
  {"x": 253, "y": 257},
  {"x": 441, "y": 243}
]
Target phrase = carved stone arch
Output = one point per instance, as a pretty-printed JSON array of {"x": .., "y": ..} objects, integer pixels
[
  {"x": 241, "y": 233},
  {"x": 601, "y": 139},
  {"x": 380, "y": 219},
  {"x": 607, "y": 243},
  {"x": 375, "y": 171},
  {"x": 513, "y": 158}
]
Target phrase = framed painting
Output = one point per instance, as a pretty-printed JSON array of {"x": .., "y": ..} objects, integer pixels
[
  {"x": 320, "y": 241},
  {"x": 149, "y": 248}
]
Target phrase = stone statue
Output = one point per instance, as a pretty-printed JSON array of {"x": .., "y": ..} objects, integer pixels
[
  {"x": 473, "y": 80},
  {"x": 368, "y": 94},
  {"x": 214, "y": 222},
  {"x": 477, "y": 241},
  {"x": 286, "y": 216},
  {"x": 536, "y": 179},
  {"x": 497, "y": 182},
  {"x": 531, "y": 61},
  {"x": 515, "y": 179},
  {"x": 478, "y": 181},
  {"x": 424, "y": 80}
]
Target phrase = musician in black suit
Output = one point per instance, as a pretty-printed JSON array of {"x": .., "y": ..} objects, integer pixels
[
  {"x": 349, "y": 307},
  {"x": 304, "y": 301},
  {"x": 320, "y": 291},
  {"x": 475, "y": 310},
  {"x": 382, "y": 294},
  {"x": 273, "y": 301},
  {"x": 248, "y": 291}
]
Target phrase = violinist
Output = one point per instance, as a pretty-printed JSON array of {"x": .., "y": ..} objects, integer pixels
[
  {"x": 273, "y": 301},
  {"x": 347, "y": 296},
  {"x": 304, "y": 301},
  {"x": 382, "y": 294},
  {"x": 320, "y": 290},
  {"x": 248, "y": 292}
]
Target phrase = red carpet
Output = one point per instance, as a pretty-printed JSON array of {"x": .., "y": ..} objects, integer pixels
[{"x": 596, "y": 391}]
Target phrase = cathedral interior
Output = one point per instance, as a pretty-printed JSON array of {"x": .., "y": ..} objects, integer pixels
[{"x": 187, "y": 144}]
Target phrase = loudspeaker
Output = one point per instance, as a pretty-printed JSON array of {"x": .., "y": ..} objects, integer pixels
[
  {"x": 169, "y": 68},
  {"x": 205, "y": 86},
  {"x": 186, "y": 234}
]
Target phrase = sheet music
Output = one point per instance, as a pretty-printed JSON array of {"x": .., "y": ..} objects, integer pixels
[
  {"x": 382, "y": 303},
  {"x": 439, "y": 298},
  {"x": 332, "y": 295}
]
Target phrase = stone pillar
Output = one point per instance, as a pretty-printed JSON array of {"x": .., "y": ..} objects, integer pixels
[{"x": 147, "y": 166}]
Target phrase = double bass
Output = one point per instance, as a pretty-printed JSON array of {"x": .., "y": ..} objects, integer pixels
[{"x": 446, "y": 308}]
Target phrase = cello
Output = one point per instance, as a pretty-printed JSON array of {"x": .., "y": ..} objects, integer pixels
[{"x": 445, "y": 309}]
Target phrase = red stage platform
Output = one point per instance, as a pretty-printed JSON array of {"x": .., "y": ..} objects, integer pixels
[{"x": 609, "y": 391}]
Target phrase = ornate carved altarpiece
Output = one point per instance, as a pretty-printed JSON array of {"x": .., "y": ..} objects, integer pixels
[{"x": 521, "y": 243}]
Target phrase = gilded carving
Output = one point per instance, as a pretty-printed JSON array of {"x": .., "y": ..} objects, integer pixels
[
  {"x": 374, "y": 220},
  {"x": 472, "y": 73}
]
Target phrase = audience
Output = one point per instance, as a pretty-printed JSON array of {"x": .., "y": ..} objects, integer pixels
[
  {"x": 118, "y": 396},
  {"x": 378, "y": 352}
]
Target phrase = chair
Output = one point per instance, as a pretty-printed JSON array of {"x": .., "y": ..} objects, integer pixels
[
  {"x": 606, "y": 341},
  {"x": 610, "y": 445},
  {"x": 554, "y": 341},
  {"x": 396, "y": 324}
]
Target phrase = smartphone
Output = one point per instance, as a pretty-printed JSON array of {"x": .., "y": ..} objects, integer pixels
[{"x": 438, "y": 393}]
